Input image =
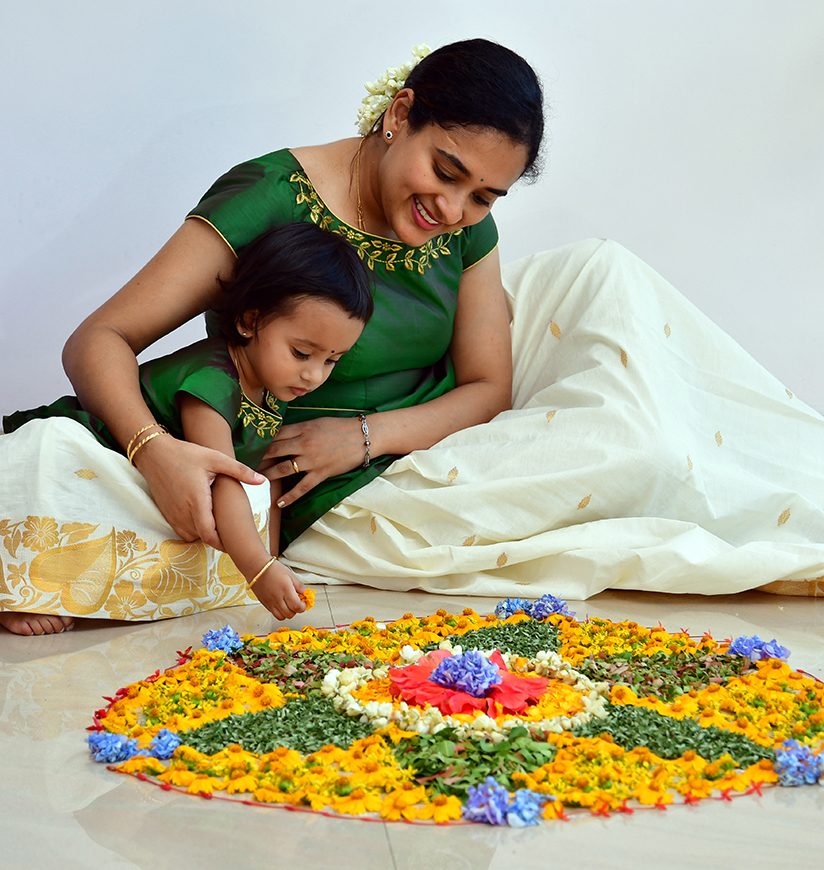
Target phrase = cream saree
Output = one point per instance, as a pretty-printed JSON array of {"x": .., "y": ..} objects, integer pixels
[{"x": 645, "y": 450}]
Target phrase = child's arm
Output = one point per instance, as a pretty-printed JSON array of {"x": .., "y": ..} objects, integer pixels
[{"x": 278, "y": 590}]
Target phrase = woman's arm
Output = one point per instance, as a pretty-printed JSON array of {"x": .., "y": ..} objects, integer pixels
[
  {"x": 482, "y": 356},
  {"x": 177, "y": 284},
  {"x": 277, "y": 589}
]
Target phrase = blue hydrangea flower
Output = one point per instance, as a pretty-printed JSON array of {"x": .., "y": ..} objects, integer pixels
[
  {"x": 164, "y": 744},
  {"x": 111, "y": 748},
  {"x": 471, "y": 672},
  {"x": 509, "y": 606},
  {"x": 548, "y": 604},
  {"x": 225, "y": 639},
  {"x": 772, "y": 649},
  {"x": 756, "y": 649},
  {"x": 488, "y": 802},
  {"x": 744, "y": 645},
  {"x": 796, "y": 764},
  {"x": 525, "y": 808}
]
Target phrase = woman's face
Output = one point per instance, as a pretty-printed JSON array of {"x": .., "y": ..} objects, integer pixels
[{"x": 437, "y": 180}]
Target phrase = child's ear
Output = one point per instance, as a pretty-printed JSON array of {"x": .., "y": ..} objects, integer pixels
[{"x": 246, "y": 324}]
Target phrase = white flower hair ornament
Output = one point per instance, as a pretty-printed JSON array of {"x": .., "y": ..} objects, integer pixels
[{"x": 382, "y": 92}]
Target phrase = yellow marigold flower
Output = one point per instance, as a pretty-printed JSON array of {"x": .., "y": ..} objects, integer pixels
[
  {"x": 245, "y": 783},
  {"x": 357, "y": 802},
  {"x": 205, "y": 785},
  {"x": 441, "y": 809},
  {"x": 267, "y": 795},
  {"x": 308, "y": 597},
  {"x": 400, "y": 803},
  {"x": 142, "y": 764},
  {"x": 553, "y": 810},
  {"x": 177, "y": 776}
]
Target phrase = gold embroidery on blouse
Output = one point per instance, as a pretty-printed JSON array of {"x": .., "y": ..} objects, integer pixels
[
  {"x": 371, "y": 249},
  {"x": 265, "y": 421}
]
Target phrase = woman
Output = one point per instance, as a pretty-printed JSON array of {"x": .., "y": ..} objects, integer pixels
[
  {"x": 414, "y": 197},
  {"x": 588, "y": 483}
]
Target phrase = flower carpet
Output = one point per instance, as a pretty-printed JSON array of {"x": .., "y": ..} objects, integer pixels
[{"x": 511, "y": 718}]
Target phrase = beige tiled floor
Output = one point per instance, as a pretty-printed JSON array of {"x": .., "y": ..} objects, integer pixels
[{"x": 59, "y": 809}]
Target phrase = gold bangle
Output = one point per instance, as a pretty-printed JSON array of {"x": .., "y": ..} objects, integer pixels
[
  {"x": 143, "y": 443},
  {"x": 262, "y": 571},
  {"x": 138, "y": 434}
]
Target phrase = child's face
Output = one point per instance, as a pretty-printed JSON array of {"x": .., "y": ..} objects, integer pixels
[{"x": 289, "y": 356}]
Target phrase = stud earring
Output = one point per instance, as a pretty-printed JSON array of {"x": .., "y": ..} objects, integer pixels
[{"x": 388, "y": 135}]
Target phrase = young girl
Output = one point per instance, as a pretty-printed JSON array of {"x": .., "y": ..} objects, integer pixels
[{"x": 298, "y": 300}]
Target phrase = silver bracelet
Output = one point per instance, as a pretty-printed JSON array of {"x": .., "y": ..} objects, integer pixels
[{"x": 366, "y": 442}]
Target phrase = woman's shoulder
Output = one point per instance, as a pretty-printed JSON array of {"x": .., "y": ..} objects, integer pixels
[
  {"x": 267, "y": 170},
  {"x": 252, "y": 197}
]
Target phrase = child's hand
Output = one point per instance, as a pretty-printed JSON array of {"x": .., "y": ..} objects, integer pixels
[{"x": 279, "y": 591}]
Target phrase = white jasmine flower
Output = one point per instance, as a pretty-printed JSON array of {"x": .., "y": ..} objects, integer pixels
[{"x": 382, "y": 91}]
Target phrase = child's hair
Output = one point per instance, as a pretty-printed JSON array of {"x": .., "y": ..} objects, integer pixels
[{"x": 286, "y": 265}]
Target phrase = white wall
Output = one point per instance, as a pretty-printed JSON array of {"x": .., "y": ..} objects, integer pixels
[{"x": 692, "y": 132}]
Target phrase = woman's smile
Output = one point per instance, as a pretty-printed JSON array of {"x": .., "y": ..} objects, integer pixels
[{"x": 422, "y": 216}]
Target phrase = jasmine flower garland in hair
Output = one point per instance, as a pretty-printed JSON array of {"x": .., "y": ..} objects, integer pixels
[{"x": 382, "y": 91}]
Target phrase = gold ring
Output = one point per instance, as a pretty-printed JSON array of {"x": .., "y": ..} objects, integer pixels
[{"x": 295, "y": 466}]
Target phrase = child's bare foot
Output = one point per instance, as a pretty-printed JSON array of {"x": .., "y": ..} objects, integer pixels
[{"x": 34, "y": 623}]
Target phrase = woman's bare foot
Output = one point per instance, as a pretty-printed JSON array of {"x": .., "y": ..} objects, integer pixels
[{"x": 34, "y": 623}]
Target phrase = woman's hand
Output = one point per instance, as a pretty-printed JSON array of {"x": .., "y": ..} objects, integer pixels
[
  {"x": 180, "y": 476},
  {"x": 319, "y": 448}
]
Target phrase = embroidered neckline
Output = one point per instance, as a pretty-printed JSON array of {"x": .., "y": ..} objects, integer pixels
[
  {"x": 391, "y": 253},
  {"x": 265, "y": 421}
]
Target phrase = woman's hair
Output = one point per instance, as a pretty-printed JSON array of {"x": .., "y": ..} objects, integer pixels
[
  {"x": 478, "y": 83},
  {"x": 287, "y": 265}
]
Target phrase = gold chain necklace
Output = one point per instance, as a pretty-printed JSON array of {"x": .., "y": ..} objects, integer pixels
[{"x": 361, "y": 225}]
